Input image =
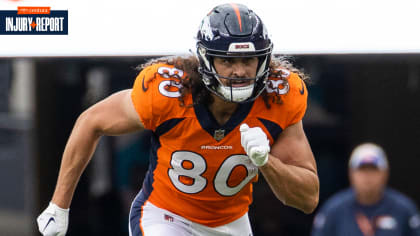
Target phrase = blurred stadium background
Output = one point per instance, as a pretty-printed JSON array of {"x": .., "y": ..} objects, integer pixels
[{"x": 359, "y": 93}]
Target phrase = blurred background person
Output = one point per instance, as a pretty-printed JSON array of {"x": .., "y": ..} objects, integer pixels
[{"x": 368, "y": 207}]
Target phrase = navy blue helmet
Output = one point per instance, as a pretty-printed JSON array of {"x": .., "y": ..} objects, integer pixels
[{"x": 233, "y": 30}]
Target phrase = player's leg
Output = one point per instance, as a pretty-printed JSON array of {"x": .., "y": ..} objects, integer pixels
[
  {"x": 149, "y": 220},
  {"x": 239, "y": 227},
  {"x": 163, "y": 229}
]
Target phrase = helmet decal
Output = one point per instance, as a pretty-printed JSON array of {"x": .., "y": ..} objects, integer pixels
[
  {"x": 238, "y": 15},
  {"x": 242, "y": 47},
  {"x": 206, "y": 29}
]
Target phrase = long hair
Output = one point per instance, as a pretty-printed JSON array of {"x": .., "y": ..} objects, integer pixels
[{"x": 191, "y": 83}]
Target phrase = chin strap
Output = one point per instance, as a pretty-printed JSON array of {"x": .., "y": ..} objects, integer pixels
[{"x": 236, "y": 94}]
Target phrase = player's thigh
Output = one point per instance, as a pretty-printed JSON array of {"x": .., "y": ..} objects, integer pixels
[
  {"x": 148, "y": 220},
  {"x": 163, "y": 230},
  {"x": 239, "y": 227},
  {"x": 159, "y": 222}
]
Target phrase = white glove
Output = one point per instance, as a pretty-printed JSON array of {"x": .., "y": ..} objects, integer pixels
[
  {"x": 255, "y": 143},
  {"x": 53, "y": 221}
]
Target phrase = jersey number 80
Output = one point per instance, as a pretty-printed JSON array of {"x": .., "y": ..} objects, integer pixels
[{"x": 199, "y": 166}]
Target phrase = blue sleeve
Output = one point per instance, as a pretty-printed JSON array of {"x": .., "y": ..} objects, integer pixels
[
  {"x": 414, "y": 222},
  {"x": 412, "y": 215},
  {"x": 323, "y": 224}
]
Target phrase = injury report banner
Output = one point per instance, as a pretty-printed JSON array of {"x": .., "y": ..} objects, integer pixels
[{"x": 34, "y": 21}]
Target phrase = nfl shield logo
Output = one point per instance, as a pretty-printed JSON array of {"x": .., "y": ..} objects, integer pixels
[{"x": 219, "y": 134}]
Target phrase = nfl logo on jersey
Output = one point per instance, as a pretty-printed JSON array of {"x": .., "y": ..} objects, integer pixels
[{"x": 219, "y": 134}]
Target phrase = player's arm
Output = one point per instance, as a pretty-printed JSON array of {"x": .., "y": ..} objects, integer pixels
[
  {"x": 291, "y": 170},
  {"x": 114, "y": 115}
]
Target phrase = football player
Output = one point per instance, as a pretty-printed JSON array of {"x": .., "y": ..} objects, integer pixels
[{"x": 218, "y": 119}]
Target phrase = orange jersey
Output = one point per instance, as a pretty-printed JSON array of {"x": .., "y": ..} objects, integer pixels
[{"x": 198, "y": 168}]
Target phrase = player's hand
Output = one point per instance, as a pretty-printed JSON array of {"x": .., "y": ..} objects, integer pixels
[
  {"x": 255, "y": 143},
  {"x": 53, "y": 221}
]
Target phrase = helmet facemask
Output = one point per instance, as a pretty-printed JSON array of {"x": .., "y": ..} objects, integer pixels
[{"x": 227, "y": 91}]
